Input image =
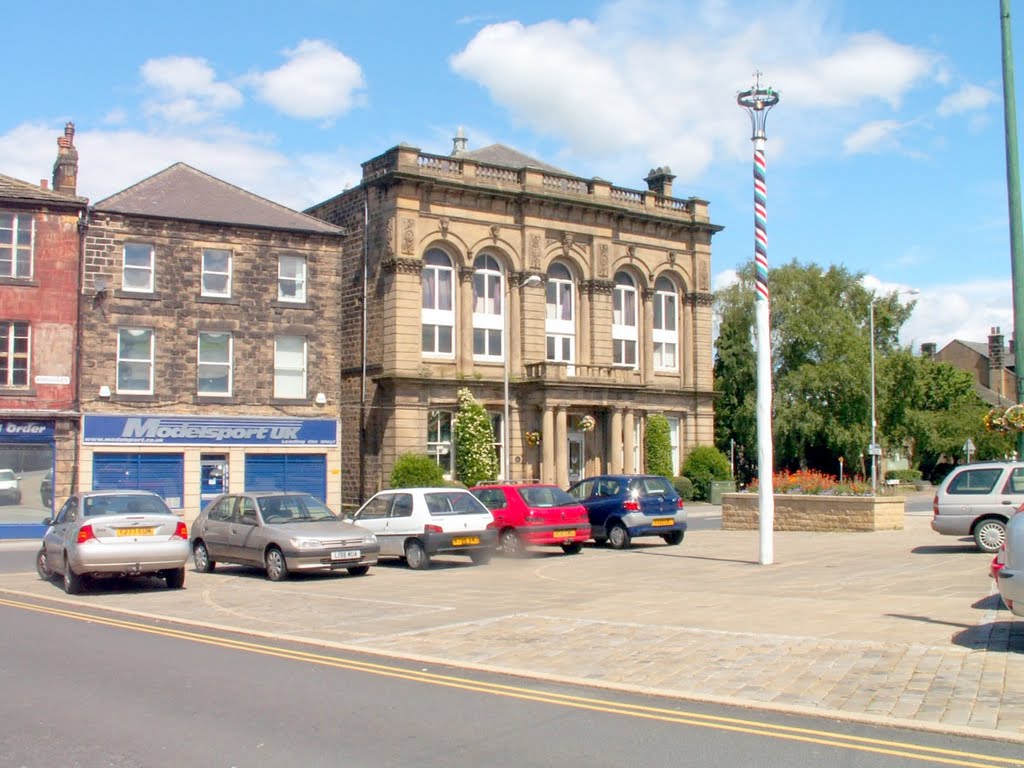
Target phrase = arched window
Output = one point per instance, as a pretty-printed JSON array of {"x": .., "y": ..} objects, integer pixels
[
  {"x": 488, "y": 309},
  {"x": 560, "y": 324},
  {"x": 666, "y": 326},
  {"x": 438, "y": 313},
  {"x": 624, "y": 321}
]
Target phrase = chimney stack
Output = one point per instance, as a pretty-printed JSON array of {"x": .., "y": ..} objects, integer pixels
[
  {"x": 659, "y": 181},
  {"x": 65, "y": 167},
  {"x": 928, "y": 350},
  {"x": 459, "y": 142}
]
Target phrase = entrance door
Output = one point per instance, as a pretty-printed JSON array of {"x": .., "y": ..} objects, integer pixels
[
  {"x": 213, "y": 476},
  {"x": 577, "y": 458}
]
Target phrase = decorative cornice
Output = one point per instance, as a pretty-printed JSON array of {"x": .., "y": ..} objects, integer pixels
[
  {"x": 700, "y": 299},
  {"x": 598, "y": 286},
  {"x": 404, "y": 266}
]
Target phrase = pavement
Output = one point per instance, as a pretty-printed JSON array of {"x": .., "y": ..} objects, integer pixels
[{"x": 890, "y": 627}]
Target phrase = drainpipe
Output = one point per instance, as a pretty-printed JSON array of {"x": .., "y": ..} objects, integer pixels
[
  {"x": 362, "y": 383},
  {"x": 76, "y": 363}
]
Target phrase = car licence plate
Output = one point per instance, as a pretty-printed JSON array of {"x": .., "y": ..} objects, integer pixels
[
  {"x": 346, "y": 554},
  {"x": 134, "y": 531},
  {"x": 461, "y": 541},
  {"x": 663, "y": 521},
  {"x": 564, "y": 534}
]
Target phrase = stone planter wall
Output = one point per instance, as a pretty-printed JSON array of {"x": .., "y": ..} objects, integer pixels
[{"x": 795, "y": 512}]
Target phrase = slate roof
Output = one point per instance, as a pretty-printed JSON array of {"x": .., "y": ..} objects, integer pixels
[
  {"x": 500, "y": 154},
  {"x": 182, "y": 192},
  {"x": 21, "y": 191},
  {"x": 981, "y": 348}
]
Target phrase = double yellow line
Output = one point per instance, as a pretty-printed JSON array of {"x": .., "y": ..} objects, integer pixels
[{"x": 675, "y": 717}]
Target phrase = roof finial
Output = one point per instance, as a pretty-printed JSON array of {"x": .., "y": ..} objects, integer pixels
[{"x": 459, "y": 142}]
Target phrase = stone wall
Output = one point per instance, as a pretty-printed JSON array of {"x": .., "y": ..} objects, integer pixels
[{"x": 794, "y": 512}]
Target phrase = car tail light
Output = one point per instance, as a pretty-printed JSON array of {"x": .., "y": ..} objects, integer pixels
[
  {"x": 935, "y": 504},
  {"x": 631, "y": 505},
  {"x": 85, "y": 534},
  {"x": 181, "y": 532},
  {"x": 680, "y": 502},
  {"x": 428, "y": 528}
]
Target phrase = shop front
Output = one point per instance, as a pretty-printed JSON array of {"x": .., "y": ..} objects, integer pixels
[
  {"x": 190, "y": 459},
  {"x": 27, "y": 451}
]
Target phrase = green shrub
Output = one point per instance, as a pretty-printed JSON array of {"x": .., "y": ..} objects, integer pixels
[
  {"x": 658, "y": 446},
  {"x": 416, "y": 470},
  {"x": 683, "y": 487},
  {"x": 704, "y": 464},
  {"x": 476, "y": 461},
  {"x": 904, "y": 475}
]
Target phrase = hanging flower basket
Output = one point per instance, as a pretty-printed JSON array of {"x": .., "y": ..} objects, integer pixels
[
  {"x": 1015, "y": 416},
  {"x": 586, "y": 423},
  {"x": 532, "y": 438},
  {"x": 1005, "y": 419}
]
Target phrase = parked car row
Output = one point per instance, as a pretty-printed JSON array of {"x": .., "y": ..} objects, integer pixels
[{"x": 124, "y": 533}]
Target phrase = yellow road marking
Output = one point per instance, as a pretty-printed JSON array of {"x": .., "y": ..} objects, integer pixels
[{"x": 718, "y": 722}]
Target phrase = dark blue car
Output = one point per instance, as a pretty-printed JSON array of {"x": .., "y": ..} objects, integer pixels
[{"x": 622, "y": 507}]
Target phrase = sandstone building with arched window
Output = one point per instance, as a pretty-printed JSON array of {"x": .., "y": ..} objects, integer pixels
[{"x": 483, "y": 267}]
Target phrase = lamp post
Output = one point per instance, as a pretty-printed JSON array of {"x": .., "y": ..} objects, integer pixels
[
  {"x": 875, "y": 449},
  {"x": 757, "y": 102},
  {"x": 506, "y": 427}
]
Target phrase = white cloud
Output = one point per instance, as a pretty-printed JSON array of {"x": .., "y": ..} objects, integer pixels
[
  {"x": 317, "y": 82},
  {"x": 874, "y": 137},
  {"x": 970, "y": 98},
  {"x": 187, "y": 90},
  {"x": 965, "y": 310}
]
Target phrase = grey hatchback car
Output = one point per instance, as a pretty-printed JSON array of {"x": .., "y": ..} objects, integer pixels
[
  {"x": 281, "y": 532},
  {"x": 977, "y": 500}
]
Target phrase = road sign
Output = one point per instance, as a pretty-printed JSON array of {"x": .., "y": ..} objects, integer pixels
[{"x": 874, "y": 449}]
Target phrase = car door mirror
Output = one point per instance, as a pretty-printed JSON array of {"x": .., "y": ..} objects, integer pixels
[{"x": 47, "y": 521}]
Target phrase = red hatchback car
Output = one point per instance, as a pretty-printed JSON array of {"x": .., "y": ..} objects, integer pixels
[{"x": 535, "y": 514}]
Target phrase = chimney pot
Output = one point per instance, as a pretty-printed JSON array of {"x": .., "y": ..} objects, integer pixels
[
  {"x": 65, "y": 167},
  {"x": 44, "y": 184}
]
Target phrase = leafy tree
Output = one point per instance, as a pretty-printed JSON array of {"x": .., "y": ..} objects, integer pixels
[
  {"x": 475, "y": 458},
  {"x": 736, "y": 377},
  {"x": 704, "y": 464},
  {"x": 416, "y": 470},
  {"x": 658, "y": 446}
]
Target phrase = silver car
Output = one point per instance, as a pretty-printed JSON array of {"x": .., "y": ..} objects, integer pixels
[
  {"x": 1010, "y": 578},
  {"x": 113, "y": 533},
  {"x": 282, "y": 532},
  {"x": 977, "y": 500}
]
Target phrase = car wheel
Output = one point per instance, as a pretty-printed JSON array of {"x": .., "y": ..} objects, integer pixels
[
  {"x": 359, "y": 570},
  {"x": 201, "y": 557},
  {"x": 618, "y": 536},
  {"x": 416, "y": 556},
  {"x": 990, "y": 534},
  {"x": 277, "y": 568},
  {"x": 176, "y": 578},
  {"x": 511, "y": 544},
  {"x": 41, "y": 566},
  {"x": 572, "y": 548},
  {"x": 73, "y": 583},
  {"x": 481, "y": 556},
  {"x": 673, "y": 538}
]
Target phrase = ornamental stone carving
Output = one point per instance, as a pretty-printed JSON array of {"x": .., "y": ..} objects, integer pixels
[
  {"x": 404, "y": 266},
  {"x": 602, "y": 260},
  {"x": 444, "y": 223},
  {"x": 495, "y": 232},
  {"x": 703, "y": 279},
  {"x": 594, "y": 287},
  {"x": 408, "y": 236},
  {"x": 389, "y": 237},
  {"x": 567, "y": 241},
  {"x": 535, "y": 251}
]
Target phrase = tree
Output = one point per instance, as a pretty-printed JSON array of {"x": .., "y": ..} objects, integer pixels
[
  {"x": 658, "y": 447},
  {"x": 736, "y": 377},
  {"x": 476, "y": 461},
  {"x": 416, "y": 470},
  {"x": 704, "y": 464}
]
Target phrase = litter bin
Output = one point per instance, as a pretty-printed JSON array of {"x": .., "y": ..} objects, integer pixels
[{"x": 718, "y": 487}]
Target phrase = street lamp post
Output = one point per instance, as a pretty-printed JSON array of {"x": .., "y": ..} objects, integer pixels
[
  {"x": 506, "y": 427},
  {"x": 875, "y": 449},
  {"x": 757, "y": 102}
]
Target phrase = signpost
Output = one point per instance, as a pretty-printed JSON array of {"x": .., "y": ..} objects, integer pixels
[{"x": 969, "y": 449}]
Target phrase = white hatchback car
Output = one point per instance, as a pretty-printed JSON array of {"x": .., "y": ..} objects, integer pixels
[
  {"x": 977, "y": 500},
  {"x": 1010, "y": 578},
  {"x": 418, "y": 523}
]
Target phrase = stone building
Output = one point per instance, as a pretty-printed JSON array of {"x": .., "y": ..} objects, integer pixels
[
  {"x": 991, "y": 364},
  {"x": 589, "y": 303},
  {"x": 40, "y": 237},
  {"x": 211, "y": 345}
]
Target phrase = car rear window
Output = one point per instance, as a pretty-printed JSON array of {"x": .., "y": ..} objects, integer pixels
[
  {"x": 94, "y": 506},
  {"x": 652, "y": 486},
  {"x": 444, "y": 503},
  {"x": 975, "y": 481},
  {"x": 545, "y": 496},
  {"x": 492, "y": 498}
]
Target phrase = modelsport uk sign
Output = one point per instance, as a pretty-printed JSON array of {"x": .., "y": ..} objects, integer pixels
[{"x": 192, "y": 430}]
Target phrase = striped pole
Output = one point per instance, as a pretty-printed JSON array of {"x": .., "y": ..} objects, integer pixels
[{"x": 757, "y": 102}]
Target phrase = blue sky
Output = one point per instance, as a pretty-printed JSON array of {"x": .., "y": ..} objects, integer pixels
[{"x": 885, "y": 154}]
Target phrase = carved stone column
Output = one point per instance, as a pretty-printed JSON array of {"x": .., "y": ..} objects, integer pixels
[
  {"x": 687, "y": 332},
  {"x": 464, "y": 329},
  {"x": 514, "y": 342},
  {"x": 548, "y": 439},
  {"x": 584, "y": 314},
  {"x": 615, "y": 443},
  {"x": 561, "y": 447},
  {"x": 628, "y": 443},
  {"x": 647, "y": 338}
]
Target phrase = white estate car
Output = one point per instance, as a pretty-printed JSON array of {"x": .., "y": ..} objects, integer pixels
[
  {"x": 1010, "y": 578},
  {"x": 418, "y": 523}
]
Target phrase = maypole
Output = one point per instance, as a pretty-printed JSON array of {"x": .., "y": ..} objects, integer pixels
[{"x": 757, "y": 102}]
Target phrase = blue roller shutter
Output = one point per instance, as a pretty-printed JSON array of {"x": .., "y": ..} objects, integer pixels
[
  {"x": 161, "y": 473},
  {"x": 301, "y": 472}
]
